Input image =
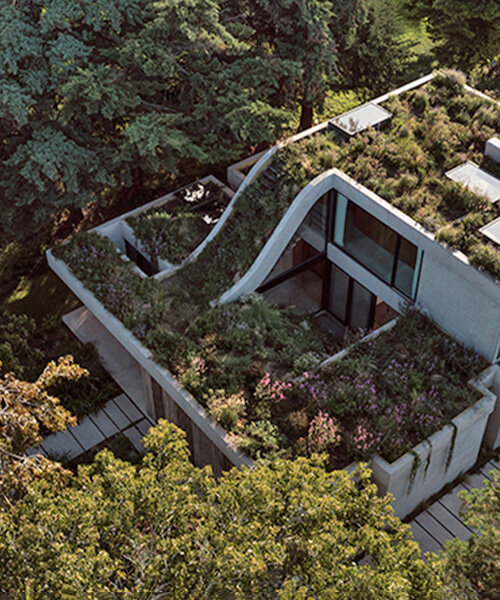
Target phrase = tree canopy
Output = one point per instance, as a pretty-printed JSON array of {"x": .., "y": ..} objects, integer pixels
[
  {"x": 25, "y": 408},
  {"x": 472, "y": 567},
  {"x": 167, "y": 529},
  {"x": 97, "y": 97},
  {"x": 466, "y": 31},
  {"x": 94, "y": 94}
]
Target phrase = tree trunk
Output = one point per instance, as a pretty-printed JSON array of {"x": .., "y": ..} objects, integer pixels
[{"x": 306, "y": 115}]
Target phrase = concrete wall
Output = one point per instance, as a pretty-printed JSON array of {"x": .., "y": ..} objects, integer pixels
[
  {"x": 203, "y": 451},
  {"x": 441, "y": 459},
  {"x": 187, "y": 405},
  {"x": 462, "y": 300},
  {"x": 490, "y": 379}
]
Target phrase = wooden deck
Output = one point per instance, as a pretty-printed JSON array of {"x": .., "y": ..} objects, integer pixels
[{"x": 442, "y": 521}]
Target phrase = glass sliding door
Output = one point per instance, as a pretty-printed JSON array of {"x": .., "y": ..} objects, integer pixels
[
  {"x": 349, "y": 301},
  {"x": 362, "y": 304}
]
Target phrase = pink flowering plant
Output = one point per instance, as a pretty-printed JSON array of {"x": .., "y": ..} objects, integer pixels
[
  {"x": 394, "y": 391},
  {"x": 323, "y": 433}
]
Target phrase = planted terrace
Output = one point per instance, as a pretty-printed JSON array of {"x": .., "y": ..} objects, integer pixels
[
  {"x": 434, "y": 128},
  {"x": 254, "y": 367},
  {"x": 241, "y": 361},
  {"x": 172, "y": 230}
]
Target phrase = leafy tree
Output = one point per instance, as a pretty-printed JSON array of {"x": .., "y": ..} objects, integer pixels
[
  {"x": 167, "y": 529},
  {"x": 17, "y": 356},
  {"x": 486, "y": 77},
  {"x": 97, "y": 95},
  {"x": 472, "y": 567},
  {"x": 296, "y": 36},
  {"x": 25, "y": 408},
  {"x": 372, "y": 56},
  {"x": 466, "y": 31}
]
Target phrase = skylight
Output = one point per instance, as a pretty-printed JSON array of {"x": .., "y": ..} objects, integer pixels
[
  {"x": 360, "y": 118},
  {"x": 492, "y": 231},
  {"x": 477, "y": 180}
]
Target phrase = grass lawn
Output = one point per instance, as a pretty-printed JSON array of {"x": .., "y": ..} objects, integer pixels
[{"x": 40, "y": 296}]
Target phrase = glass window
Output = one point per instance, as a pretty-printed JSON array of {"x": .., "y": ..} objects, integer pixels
[
  {"x": 317, "y": 217},
  {"x": 301, "y": 292},
  {"x": 361, "y": 307},
  {"x": 339, "y": 293},
  {"x": 340, "y": 216},
  {"x": 407, "y": 267},
  {"x": 377, "y": 247},
  {"x": 369, "y": 241}
]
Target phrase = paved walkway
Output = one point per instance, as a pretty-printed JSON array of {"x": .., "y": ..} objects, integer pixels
[
  {"x": 125, "y": 414},
  {"x": 118, "y": 416},
  {"x": 442, "y": 520}
]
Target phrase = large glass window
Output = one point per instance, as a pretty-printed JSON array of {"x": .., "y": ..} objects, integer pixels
[
  {"x": 318, "y": 215},
  {"x": 376, "y": 246},
  {"x": 407, "y": 267}
]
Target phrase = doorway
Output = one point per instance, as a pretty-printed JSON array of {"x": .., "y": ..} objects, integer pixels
[{"x": 349, "y": 301}]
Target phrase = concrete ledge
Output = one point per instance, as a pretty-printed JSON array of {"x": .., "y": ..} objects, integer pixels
[
  {"x": 438, "y": 460},
  {"x": 490, "y": 379},
  {"x": 143, "y": 356}
]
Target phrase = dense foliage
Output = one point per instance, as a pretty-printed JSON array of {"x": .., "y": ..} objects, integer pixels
[
  {"x": 467, "y": 32},
  {"x": 25, "y": 408},
  {"x": 241, "y": 362},
  {"x": 96, "y": 97},
  {"x": 168, "y": 529},
  {"x": 394, "y": 391},
  {"x": 472, "y": 567}
]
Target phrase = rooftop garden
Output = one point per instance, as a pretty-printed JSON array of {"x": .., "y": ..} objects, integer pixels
[
  {"x": 434, "y": 128},
  {"x": 173, "y": 229},
  {"x": 255, "y": 368}
]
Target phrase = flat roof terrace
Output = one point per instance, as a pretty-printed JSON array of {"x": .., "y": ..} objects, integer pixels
[{"x": 434, "y": 129}]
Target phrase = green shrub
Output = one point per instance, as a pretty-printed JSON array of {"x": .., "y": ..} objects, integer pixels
[
  {"x": 485, "y": 257},
  {"x": 472, "y": 567}
]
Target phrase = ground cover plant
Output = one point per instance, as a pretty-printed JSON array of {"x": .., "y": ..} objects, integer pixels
[
  {"x": 254, "y": 368},
  {"x": 434, "y": 128},
  {"x": 174, "y": 229}
]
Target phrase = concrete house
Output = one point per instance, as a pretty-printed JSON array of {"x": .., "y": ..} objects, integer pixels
[{"x": 361, "y": 238}]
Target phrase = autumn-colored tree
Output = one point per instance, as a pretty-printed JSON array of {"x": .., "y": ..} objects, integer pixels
[
  {"x": 25, "y": 407},
  {"x": 169, "y": 530}
]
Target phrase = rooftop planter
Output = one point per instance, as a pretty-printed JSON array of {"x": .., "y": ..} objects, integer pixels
[
  {"x": 170, "y": 230},
  {"x": 423, "y": 471},
  {"x": 433, "y": 129}
]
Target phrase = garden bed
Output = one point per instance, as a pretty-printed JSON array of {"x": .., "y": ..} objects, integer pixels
[
  {"x": 170, "y": 231},
  {"x": 433, "y": 129},
  {"x": 241, "y": 361}
]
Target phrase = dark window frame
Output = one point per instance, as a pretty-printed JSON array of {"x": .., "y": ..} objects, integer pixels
[
  {"x": 350, "y": 286},
  {"x": 399, "y": 237},
  {"x": 148, "y": 267}
]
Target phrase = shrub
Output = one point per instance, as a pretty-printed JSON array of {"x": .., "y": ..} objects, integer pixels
[
  {"x": 487, "y": 258},
  {"x": 472, "y": 567}
]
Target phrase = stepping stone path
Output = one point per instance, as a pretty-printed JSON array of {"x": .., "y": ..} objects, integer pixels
[{"x": 118, "y": 416}]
